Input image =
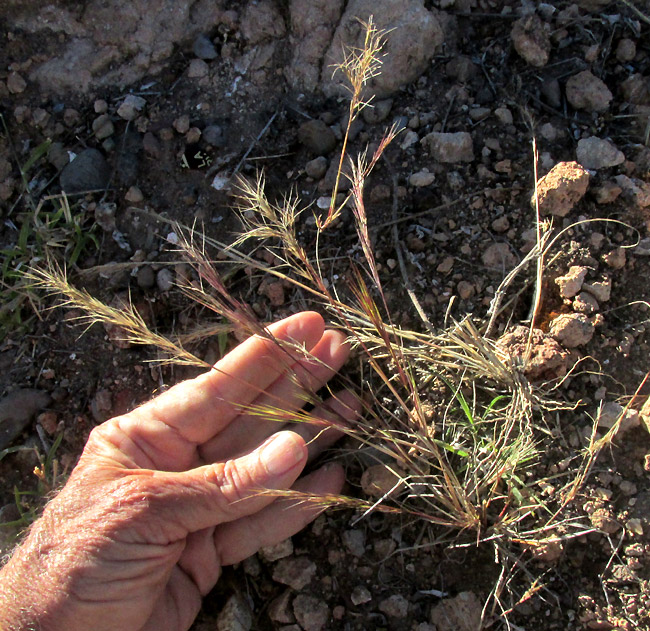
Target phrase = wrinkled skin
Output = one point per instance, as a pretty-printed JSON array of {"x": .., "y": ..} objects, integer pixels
[{"x": 166, "y": 495}]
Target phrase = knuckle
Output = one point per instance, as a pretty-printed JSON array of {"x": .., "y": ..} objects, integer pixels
[{"x": 233, "y": 483}]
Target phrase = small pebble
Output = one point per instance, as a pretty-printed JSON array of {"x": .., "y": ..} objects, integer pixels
[
  {"x": 203, "y": 48},
  {"x": 131, "y": 107},
  {"x": 316, "y": 168},
  {"x": 164, "y": 279},
  {"x": 182, "y": 124},
  {"x": 146, "y": 277},
  {"x": 134, "y": 195}
]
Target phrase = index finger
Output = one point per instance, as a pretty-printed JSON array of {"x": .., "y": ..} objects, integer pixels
[{"x": 199, "y": 408}]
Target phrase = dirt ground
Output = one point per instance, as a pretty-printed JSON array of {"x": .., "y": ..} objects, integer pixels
[{"x": 173, "y": 100}]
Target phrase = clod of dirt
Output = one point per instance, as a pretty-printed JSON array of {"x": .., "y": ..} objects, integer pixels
[
  {"x": 637, "y": 192},
  {"x": 360, "y": 595},
  {"x": 297, "y": 572},
  {"x": 355, "y": 542},
  {"x": 616, "y": 259},
  {"x": 585, "y": 303},
  {"x": 197, "y": 69},
  {"x": 312, "y": 613},
  {"x": 203, "y": 48},
  {"x": 131, "y": 107},
  {"x": 17, "y": 410},
  {"x": 531, "y": 40},
  {"x": 636, "y": 89},
  {"x": 546, "y": 550},
  {"x": 213, "y": 135},
  {"x": 547, "y": 359},
  {"x": 461, "y": 613},
  {"x": 610, "y": 413},
  {"x": 317, "y": 137},
  {"x": 450, "y": 147},
  {"x": 146, "y": 278},
  {"x": 561, "y": 189},
  {"x": 572, "y": 329},
  {"x": 601, "y": 290},
  {"x": 395, "y": 606},
  {"x": 602, "y": 519},
  {"x": 235, "y": 616},
  {"x": 89, "y": 171},
  {"x": 587, "y": 92},
  {"x": 571, "y": 283},
  {"x": 607, "y": 193},
  {"x": 499, "y": 256},
  {"x": 414, "y": 34},
  {"x": 597, "y": 153},
  {"x": 378, "y": 480}
]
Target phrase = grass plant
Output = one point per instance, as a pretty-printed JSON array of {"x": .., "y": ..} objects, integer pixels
[{"x": 447, "y": 411}]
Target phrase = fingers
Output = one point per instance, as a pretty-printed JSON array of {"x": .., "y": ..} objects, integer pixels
[
  {"x": 287, "y": 394},
  {"x": 168, "y": 428},
  {"x": 221, "y": 492},
  {"x": 338, "y": 411},
  {"x": 237, "y": 540}
]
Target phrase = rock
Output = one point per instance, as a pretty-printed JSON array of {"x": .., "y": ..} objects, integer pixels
[
  {"x": 312, "y": 613},
  {"x": 499, "y": 256},
  {"x": 164, "y": 279},
  {"x": 262, "y": 21},
  {"x": 450, "y": 147},
  {"x": 203, "y": 48},
  {"x": 585, "y": 303},
  {"x": 461, "y": 613},
  {"x": 15, "y": 83},
  {"x": 465, "y": 289},
  {"x": 236, "y": 615},
  {"x": 213, "y": 135},
  {"x": 531, "y": 40},
  {"x": 596, "y": 153},
  {"x": 57, "y": 156},
  {"x": 636, "y": 89},
  {"x": 312, "y": 28},
  {"x": 572, "y": 329},
  {"x": 182, "y": 124},
  {"x": 197, "y": 69},
  {"x": 616, "y": 259},
  {"x": 414, "y": 34},
  {"x": 395, "y": 606},
  {"x": 101, "y": 405},
  {"x": 360, "y": 595},
  {"x": 131, "y": 107},
  {"x": 626, "y": 50},
  {"x": 193, "y": 135},
  {"x": 561, "y": 189},
  {"x": 134, "y": 195},
  {"x": 607, "y": 193},
  {"x": 546, "y": 550},
  {"x": 89, "y": 171},
  {"x": 49, "y": 421},
  {"x": 105, "y": 216},
  {"x": 278, "y": 551},
  {"x": 377, "y": 111},
  {"x": 547, "y": 359},
  {"x": 317, "y": 137},
  {"x": 611, "y": 412},
  {"x": 461, "y": 68},
  {"x": 297, "y": 572},
  {"x": 146, "y": 277},
  {"x": 587, "y": 92},
  {"x": 280, "y": 609},
  {"x": 355, "y": 542},
  {"x": 504, "y": 115},
  {"x": 601, "y": 290},
  {"x": 316, "y": 168},
  {"x": 378, "y": 480},
  {"x": 571, "y": 284},
  {"x": 103, "y": 127},
  {"x": 151, "y": 146},
  {"x": 421, "y": 178},
  {"x": 634, "y": 191},
  {"x": 17, "y": 410}
]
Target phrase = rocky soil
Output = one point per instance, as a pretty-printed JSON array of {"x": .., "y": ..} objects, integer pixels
[{"x": 151, "y": 108}]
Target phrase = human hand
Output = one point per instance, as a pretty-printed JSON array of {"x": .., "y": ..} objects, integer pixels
[{"x": 166, "y": 495}]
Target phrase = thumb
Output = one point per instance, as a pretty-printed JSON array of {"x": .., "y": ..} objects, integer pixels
[{"x": 225, "y": 491}]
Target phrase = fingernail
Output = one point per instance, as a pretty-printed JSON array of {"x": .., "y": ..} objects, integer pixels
[{"x": 283, "y": 453}]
